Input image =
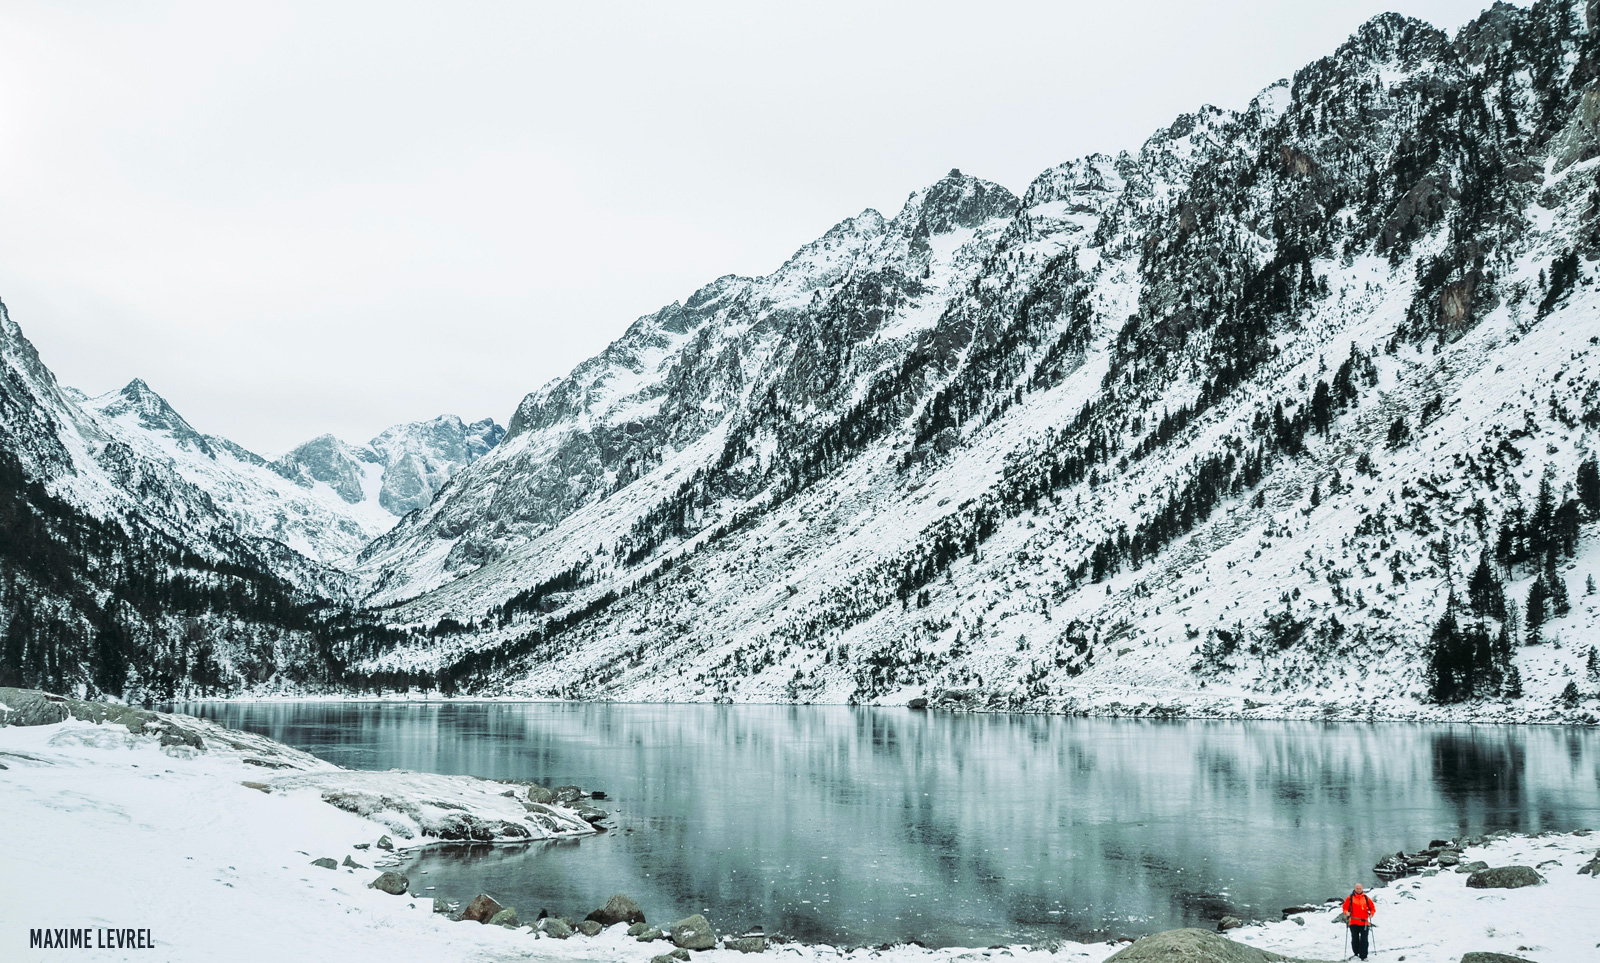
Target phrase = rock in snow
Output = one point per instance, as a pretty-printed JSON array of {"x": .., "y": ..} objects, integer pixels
[
  {"x": 1504, "y": 877},
  {"x": 693, "y": 933},
  {"x": 618, "y": 909}
]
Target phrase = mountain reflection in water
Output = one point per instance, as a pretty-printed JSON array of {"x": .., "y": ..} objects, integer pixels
[{"x": 859, "y": 825}]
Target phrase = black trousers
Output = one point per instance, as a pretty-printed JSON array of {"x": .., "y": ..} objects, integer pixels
[{"x": 1358, "y": 941}]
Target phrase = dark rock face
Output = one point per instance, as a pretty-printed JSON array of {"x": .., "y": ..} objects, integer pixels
[
  {"x": 1504, "y": 877},
  {"x": 693, "y": 933},
  {"x": 618, "y": 909},
  {"x": 391, "y": 883},
  {"x": 481, "y": 909}
]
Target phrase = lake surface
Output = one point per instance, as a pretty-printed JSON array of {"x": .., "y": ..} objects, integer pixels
[{"x": 863, "y": 826}]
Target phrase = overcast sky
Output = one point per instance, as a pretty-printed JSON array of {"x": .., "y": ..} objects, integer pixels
[{"x": 295, "y": 218}]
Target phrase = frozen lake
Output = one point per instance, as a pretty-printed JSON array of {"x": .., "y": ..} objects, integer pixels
[{"x": 864, "y": 826}]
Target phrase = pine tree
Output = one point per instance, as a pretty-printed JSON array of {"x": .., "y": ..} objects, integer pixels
[
  {"x": 1589, "y": 486},
  {"x": 1484, "y": 593},
  {"x": 1569, "y": 696},
  {"x": 1592, "y": 665},
  {"x": 1449, "y": 662},
  {"x": 1557, "y": 588},
  {"x": 1513, "y": 686},
  {"x": 1535, "y": 608},
  {"x": 1542, "y": 525}
]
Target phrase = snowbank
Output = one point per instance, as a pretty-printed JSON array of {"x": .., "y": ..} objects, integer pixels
[{"x": 211, "y": 850}]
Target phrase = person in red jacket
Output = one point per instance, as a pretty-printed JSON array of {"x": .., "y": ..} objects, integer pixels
[{"x": 1358, "y": 911}]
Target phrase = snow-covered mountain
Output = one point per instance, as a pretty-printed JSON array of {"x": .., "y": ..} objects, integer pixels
[
  {"x": 142, "y": 558},
  {"x": 324, "y": 499},
  {"x": 1227, "y": 422},
  {"x": 400, "y": 470}
]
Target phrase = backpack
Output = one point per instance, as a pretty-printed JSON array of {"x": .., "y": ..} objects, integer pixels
[{"x": 1371, "y": 907}]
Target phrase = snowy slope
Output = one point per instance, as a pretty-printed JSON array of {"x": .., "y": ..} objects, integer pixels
[
  {"x": 1219, "y": 424},
  {"x": 313, "y": 520},
  {"x": 325, "y": 499}
]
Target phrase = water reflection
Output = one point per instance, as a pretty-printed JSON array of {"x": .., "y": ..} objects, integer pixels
[{"x": 875, "y": 825}]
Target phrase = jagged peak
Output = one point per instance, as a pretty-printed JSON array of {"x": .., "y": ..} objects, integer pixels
[
  {"x": 1394, "y": 38},
  {"x": 1095, "y": 172},
  {"x": 152, "y": 410},
  {"x": 957, "y": 200}
]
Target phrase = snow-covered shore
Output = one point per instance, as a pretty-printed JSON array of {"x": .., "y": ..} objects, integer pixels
[
  {"x": 1097, "y": 701},
  {"x": 211, "y": 850}
]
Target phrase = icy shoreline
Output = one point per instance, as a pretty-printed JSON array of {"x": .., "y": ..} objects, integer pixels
[
  {"x": 1120, "y": 703},
  {"x": 211, "y": 849}
]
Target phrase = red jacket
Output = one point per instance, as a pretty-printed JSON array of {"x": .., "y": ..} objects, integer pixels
[{"x": 1358, "y": 910}]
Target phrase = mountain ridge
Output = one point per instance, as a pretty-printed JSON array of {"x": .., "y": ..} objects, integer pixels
[{"x": 1153, "y": 357}]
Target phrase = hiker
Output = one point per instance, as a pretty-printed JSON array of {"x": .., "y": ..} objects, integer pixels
[{"x": 1358, "y": 910}]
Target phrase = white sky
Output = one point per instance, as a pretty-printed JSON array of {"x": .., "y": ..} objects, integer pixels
[{"x": 294, "y": 218}]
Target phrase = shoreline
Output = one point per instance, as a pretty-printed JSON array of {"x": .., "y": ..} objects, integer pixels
[
  {"x": 238, "y": 833},
  {"x": 1422, "y": 714}
]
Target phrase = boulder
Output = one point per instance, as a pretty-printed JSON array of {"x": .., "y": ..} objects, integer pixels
[
  {"x": 676, "y": 956},
  {"x": 392, "y": 883},
  {"x": 566, "y": 794},
  {"x": 1193, "y": 946},
  {"x": 1229, "y": 923},
  {"x": 618, "y": 909},
  {"x": 481, "y": 909},
  {"x": 352, "y": 863},
  {"x": 639, "y": 929},
  {"x": 1484, "y": 956},
  {"x": 539, "y": 794},
  {"x": 557, "y": 928},
  {"x": 1591, "y": 868},
  {"x": 1392, "y": 867},
  {"x": 1449, "y": 859},
  {"x": 591, "y": 814},
  {"x": 384, "y": 842},
  {"x": 748, "y": 944},
  {"x": 920, "y": 702},
  {"x": 1504, "y": 877},
  {"x": 326, "y": 862},
  {"x": 597, "y": 794},
  {"x": 693, "y": 933},
  {"x": 1472, "y": 867},
  {"x": 506, "y": 917},
  {"x": 1289, "y": 911},
  {"x": 647, "y": 935},
  {"x": 590, "y": 928}
]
